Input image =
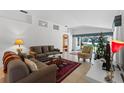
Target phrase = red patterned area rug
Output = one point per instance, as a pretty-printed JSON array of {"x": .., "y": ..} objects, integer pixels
[{"x": 65, "y": 69}]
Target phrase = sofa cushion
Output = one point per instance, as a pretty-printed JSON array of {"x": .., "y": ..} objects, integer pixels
[
  {"x": 51, "y": 48},
  {"x": 49, "y": 53},
  {"x": 39, "y": 64},
  {"x": 36, "y": 49},
  {"x": 84, "y": 55},
  {"x": 40, "y": 55},
  {"x": 56, "y": 52},
  {"x": 45, "y": 49},
  {"x": 52, "y": 53},
  {"x": 32, "y": 66}
]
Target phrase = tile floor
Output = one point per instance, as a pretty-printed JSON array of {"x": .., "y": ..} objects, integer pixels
[{"x": 78, "y": 75}]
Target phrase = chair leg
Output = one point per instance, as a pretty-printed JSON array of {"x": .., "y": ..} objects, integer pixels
[
  {"x": 90, "y": 59},
  {"x": 78, "y": 59}
]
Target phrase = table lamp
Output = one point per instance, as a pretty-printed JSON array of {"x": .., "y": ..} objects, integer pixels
[
  {"x": 19, "y": 42},
  {"x": 116, "y": 46}
]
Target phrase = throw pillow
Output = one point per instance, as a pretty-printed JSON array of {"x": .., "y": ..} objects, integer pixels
[
  {"x": 8, "y": 57},
  {"x": 32, "y": 66}
]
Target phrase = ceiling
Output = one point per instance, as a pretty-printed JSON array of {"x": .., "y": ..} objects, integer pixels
[{"x": 75, "y": 18}]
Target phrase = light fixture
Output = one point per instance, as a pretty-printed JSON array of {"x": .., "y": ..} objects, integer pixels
[
  {"x": 19, "y": 42},
  {"x": 117, "y": 45}
]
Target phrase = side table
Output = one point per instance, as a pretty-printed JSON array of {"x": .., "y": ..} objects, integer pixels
[{"x": 2, "y": 76}]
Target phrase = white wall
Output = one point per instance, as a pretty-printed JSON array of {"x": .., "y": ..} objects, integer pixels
[
  {"x": 32, "y": 34},
  {"x": 120, "y": 36}
]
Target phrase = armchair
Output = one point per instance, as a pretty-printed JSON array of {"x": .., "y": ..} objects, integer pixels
[{"x": 86, "y": 53}]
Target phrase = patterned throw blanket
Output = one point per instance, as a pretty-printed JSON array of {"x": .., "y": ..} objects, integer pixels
[{"x": 9, "y": 56}]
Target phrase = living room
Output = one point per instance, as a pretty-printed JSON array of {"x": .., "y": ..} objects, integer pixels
[
  {"x": 61, "y": 46},
  {"x": 39, "y": 34}
]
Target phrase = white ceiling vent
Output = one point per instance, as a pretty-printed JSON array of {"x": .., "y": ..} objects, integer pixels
[
  {"x": 23, "y": 11},
  {"x": 43, "y": 23},
  {"x": 55, "y": 27}
]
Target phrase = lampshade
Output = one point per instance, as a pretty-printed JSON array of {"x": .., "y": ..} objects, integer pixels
[
  {"x": 117, "y": 45},
  {"x": 19, "y": 42}
]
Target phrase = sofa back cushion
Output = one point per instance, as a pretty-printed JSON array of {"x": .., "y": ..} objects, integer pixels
[
  {"x": 51, "y": 48},
  {"x": 36, "y": 49},
  {"x": 45, "y": 49},
  {"x": 40, "y": 65},
  {"x": 86, "y": 49},
  {"x": 32, "y": 66}
]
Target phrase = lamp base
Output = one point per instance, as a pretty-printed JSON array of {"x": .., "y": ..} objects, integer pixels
[{"x": 19, "y": 50}]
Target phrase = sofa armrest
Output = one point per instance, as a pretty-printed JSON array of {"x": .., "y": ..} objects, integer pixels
[
  {"x": 45, "y": 75},
  {"x": 56, "y": 50},
  {"x": 33, "y": 53},
  {"x": 16, "y": 70}
]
